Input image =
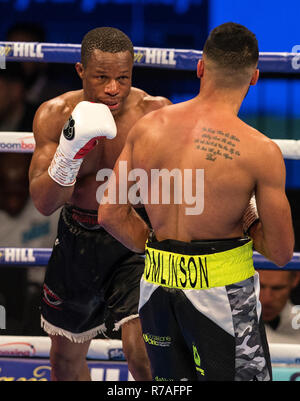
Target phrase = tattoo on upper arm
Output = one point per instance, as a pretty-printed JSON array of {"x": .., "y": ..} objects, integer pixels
[{"x": 217, "y": 143}]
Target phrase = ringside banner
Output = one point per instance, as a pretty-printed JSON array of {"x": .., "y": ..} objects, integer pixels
[
  {"x": 39, "y": 347},
  {"x": 16, "y": 369},
  {"x": 17, "y": 142}
]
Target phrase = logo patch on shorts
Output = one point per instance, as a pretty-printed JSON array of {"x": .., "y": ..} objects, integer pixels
[
  {"x": 197, "y": 360},
  {"x": 69, "y": 129},
  {"x": 159, "y": 341},
  {"x": 51, "y": 298}
]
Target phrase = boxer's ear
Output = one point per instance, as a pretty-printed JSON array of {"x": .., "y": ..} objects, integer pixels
[
  {"x": 80, "y": 70},
  {"x": 255, "y": 77},
  {"x": 200, "y": 68}
]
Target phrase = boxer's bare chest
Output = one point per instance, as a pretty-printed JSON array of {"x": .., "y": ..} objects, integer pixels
[
  {"x": 107, "y": 151},
  {"x": 102, "y": 158}
]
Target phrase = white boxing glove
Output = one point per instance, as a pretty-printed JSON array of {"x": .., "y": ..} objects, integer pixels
[
  {"x": 250, "y": 216},
  {"x": 88, "y": 122}
]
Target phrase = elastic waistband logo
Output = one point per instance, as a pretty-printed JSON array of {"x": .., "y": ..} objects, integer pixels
[
  {"x": 176, "y": 271},
  {"x": 196, "y": 271}
]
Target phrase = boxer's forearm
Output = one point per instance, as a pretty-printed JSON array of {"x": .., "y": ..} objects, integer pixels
[
  {"x": 259, "y": 242},
  {"x": 123, "y": 223},
  {"x": 47, "y": 195},
  {"x": 265, "y": 246},
  {"x": 257, "y": 237}
]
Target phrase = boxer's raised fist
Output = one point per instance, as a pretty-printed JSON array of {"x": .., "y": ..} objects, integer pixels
[{"x": 88, "y": 123}]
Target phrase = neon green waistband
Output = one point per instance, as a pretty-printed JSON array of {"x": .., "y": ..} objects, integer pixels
[{"x": 197, "y": 272}]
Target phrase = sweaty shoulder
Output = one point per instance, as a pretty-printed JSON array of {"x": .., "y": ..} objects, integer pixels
[
  {"x": 52, "y": 114},
  {"x": 261, "y": 151},
  {"x": 150, "y": 126},
  {"x": 263, "y": 143},
  {"x": 147, "y": 102}
]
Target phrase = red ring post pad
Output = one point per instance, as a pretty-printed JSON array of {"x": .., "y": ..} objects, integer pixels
[
  {"x": 179, "y": 59},
  {"x": 40, "y": 257}
]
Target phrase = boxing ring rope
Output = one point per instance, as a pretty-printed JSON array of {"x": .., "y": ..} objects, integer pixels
[
  {"x": 182, "y": 59},
  {"x": 23, "y": 142},
  {"x": 35, "y": 257}
]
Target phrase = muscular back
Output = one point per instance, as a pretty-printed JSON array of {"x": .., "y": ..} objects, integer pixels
[
  {"x": 230, "y": 154},
  {"x": 48, "y": 124}
]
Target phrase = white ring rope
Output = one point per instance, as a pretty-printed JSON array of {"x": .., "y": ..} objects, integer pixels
[
  {"x": 39, "y": 347},
  {"x": 23, "y": 142}
]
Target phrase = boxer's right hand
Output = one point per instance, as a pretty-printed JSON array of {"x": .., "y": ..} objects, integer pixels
[{"x": 88, "y": 122}]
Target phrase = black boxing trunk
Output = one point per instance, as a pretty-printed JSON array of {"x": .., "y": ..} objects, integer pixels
[{"x": 92, "y": 281}]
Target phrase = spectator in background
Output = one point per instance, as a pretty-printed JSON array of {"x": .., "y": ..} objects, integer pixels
[
  {"x": 16, "y": 114},
  {"x": 279, "y": 316},
  {"x": 40, "y": 84},
  {"x": 23, "y": 86},
  {"x": 21, "y": 225}
]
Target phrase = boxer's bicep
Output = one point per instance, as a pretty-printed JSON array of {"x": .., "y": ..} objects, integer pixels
[
  {"x": 273, "y": 206},
  {"x": 47, "y": 195},
  {"x": 46, "y": 131},
  {"x": 270, "y": 191}
]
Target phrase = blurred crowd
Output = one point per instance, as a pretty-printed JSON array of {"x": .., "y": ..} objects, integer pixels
[{"x": 23, "y": 87}]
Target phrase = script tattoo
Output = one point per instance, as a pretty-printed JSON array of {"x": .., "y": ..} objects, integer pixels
[{"x": 217, "y": 143}]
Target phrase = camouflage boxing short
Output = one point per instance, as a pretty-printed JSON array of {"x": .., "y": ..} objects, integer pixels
[{"x": 200, "y": 312}]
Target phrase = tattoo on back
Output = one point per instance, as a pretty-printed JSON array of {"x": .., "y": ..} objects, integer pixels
[{"x": 216, "y": 143}]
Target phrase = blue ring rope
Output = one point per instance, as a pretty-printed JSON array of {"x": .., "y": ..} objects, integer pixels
[
  {"x": 179, "y": 59},
  {"x": 40, "y": 257}
]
